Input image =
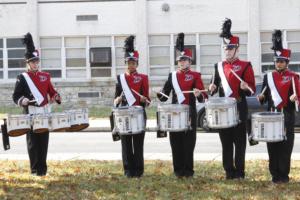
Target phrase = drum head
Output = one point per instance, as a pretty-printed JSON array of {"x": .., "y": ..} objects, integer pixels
[
  {"x": 220, "y": 101},
  {"x": 18, "y": 132}
]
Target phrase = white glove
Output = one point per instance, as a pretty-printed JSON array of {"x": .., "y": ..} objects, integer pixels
[
  {"x": 25, "y": 102},
  {"x": 212, "y": 87}
]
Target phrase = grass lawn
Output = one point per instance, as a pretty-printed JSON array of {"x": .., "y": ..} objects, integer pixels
[
  {"x": 104, "y": 180},
  {"x": 94, "y": 112}
]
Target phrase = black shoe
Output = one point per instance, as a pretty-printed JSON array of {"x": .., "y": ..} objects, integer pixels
[
  {"x": 179, "y": 174},
  {"x": 285, "y": 180},
  {"x": 230, "y": 175},
  {"x": 189, "y": 174},
  {"x": 41, "y": 174},
  {"x": 239, "y": 175},
  {"x": 128, "y": 174},
  {"x": 276, "y": 180},
  {"x": 138, "y": 174}
]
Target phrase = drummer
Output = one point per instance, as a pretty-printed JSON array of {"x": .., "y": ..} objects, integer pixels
[
  {"x": 280, "y": 97},
  {"x": 132, "y": 145},
  {"x": 31, "y": 90},
  {"x": 183, "y": 143},
  {"x": 228, "y": 85}
]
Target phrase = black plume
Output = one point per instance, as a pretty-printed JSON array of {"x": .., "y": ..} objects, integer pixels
[
  {"x": 277, "y": 40},
  {"x": 180, "y": 42},
  {"x": 226, "y": 33},
  {"x": 129, "y": 44},
  {"x": 28, "y": 42}
]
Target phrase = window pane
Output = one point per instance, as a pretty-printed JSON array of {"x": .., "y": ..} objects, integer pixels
[
  {"x": 50, "y": 42},
  {"x": 293, "y": 35},
  {"x": 100, "y": 41},
  {"x": 75, "y": 62},
  {"x": 80, "y": 73},
  {"x": 208, "y": 70},
  {"x": 50, "y": 53},
  {"x": 295, "y": 67},
  {"x": 295, "y": 46},
  {"x": 75, "y": 42},
  {"x": 267, "y": 57},
  {"x": 210, "y": 50},
  {"x": 1, "y": 54},
  {"x": 295, "y": 56},
  {"x": 267, "y": 68},
  {"x": 1, "y": 64},
  {"x": 210, "y": 59},
  {"x": 243, "y": 56},
  {"x": 52, "y": 63},
  {"x": 54, "y": 73},
  {"x": 75, "y": 53},
  {"x": 160, "y": 61},
  {"x": 100, "y": 56},
  {"x": 266, "y": 37},
  {"x": 14, "y": 43},
  {"x": 16, "y": 53},
  {"x": 1, "y": 74},
  {"x": 159, "y": 40},
  {"x": 159, "y": 51},
  {"x": 101, "y": 72},
  {"x": 119, "y": 41},
  {"x": 14, "y": 74},
  {"x": 243, "y": 49},
  {"x": 1, "y": 43},
  {"x": 188, "y": 39},
  {"x": 16, "y": 63},
  {"x": 243, "y": 37},
  {"x": 210, "y": 39},
  {"x": 159, "y": 71},
  {"x": 266, "y": 48}
]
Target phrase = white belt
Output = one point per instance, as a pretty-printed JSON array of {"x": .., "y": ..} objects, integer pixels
[{"x": 39, "y": 110}]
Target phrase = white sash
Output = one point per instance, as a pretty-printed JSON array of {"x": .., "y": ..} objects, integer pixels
[
  {"x": 35, "y": 92},
  {"x": 180, "y": 95},
  {"x": 128, "y": 94},
  {"x": 274, "y": 92},
  {"x": 225, "y": 84}
]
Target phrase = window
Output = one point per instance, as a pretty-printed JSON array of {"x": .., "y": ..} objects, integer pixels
[
  {"x": 293, "y": 42},
  {"x": 210, "y": 52},
  {"x": 119, "y": 53},
  {"x": 100, "y": 56},
  {"x": 15, "y": 55},
  {"x": 267, "y": 54},
  {"x": 1, "y": 58},
  {"x": 189, "y": 43},
  {"x": 75, "y": 57},
  {"x": 159, "y": 55},
  {"x": 51, "y": 56}
]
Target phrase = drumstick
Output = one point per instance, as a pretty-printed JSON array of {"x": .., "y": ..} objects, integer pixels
[
  {"x": 140, "y": 95},
  {"x": 163, "y": 94},
  {"x": 192, "y": 91},
  {"x": 237, "y": 76},
  {"x": 294, "y": 90},
  {"x": 265, "y": 88}
]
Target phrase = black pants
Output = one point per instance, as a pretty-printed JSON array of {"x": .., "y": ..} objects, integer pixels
[
  {"x": 183, "y": 145},
  {"x": 280, "y": 152},
  {"x": 233, "y": 150},
  {"x": 37, "y": 146},
  {"x": 133, "y": 154}
]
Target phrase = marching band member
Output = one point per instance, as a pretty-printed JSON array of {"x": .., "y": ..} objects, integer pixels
[
  {"x": 184, "y": 79},
  {"x": 280, "y": 97},
  {"x": 227, "y": 84},
  {"x": 132, "y": 145},
  {"x": 31, "y": 90}
]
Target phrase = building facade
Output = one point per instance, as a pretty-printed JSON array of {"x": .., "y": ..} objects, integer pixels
[{"x": 81, "y": 41}]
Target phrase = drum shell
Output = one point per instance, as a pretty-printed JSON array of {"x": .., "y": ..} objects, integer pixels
[
  {"x": 268, "y": 127},
  {"x": 129, "y": 120},
  {"x": 40, "y": 123},
  {"x": 60, "y": 122},
  {"x": 221, "y": 112},
  {"x": 173, "y": 117},
  {"x": 18, "y": 125},
  {"x": 79, "y": 119}
]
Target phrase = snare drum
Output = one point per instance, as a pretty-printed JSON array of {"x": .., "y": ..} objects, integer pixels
[
  {"x": 18, "y": 125},
  {"x": 221, "y": 112},
  {"x": 60, "y": 122},
  {"x": 79, "y": 119},
  {"x": 173, "y": 117},
  {"x": 40, "y": 123},
  {"x": 129, "y": 120},
  {"x": 268, "y": 127}
]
